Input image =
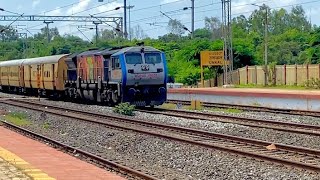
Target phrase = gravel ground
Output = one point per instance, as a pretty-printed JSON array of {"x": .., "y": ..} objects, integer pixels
[
  {"x": 217, "y": 127},
  {"x": 167, "y": 159}
]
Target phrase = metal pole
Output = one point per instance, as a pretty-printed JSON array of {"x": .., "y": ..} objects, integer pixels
[
  {"x": 227, "y": 38},
  {"x": 130, "y": 22},
  {"x": 125, "y": 19},
  {"x": 266, "y": 48},
  {"x": 129, "y": 7},
  {"x": 230, "y": 44},
  {"x": 48, "y": 34},
  {"x": 97, "y": 34},
  {"x": 97, "y": 30},
  {"x": 48, "y": 30},
  {"x": 192, "y": 18}
]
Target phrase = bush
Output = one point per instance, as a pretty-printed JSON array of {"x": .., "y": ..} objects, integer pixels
[
  {"x": 124, "y": 109},
  {"x": 313, "y": 83}
]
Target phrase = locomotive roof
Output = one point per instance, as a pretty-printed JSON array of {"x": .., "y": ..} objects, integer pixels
[
  {"x": 91, "y": 52},
  {"x": 29, "y": 61},
  {"x": 117, "y": 51},
  {"x": 109, "y": 51},
  {"x": 136, "y": 49}
]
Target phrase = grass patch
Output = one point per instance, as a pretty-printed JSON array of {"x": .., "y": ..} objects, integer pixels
[
  {"x": 229, "y": 110},
  {"x": 168, "y": 106},
  {"x": 124, "y": 109},
  {"x": 46, "y": 125},
  {"x": 16, "y": 118}
]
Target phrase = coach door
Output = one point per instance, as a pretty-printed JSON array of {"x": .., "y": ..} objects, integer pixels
[
  {"x": 51, "y": 75},
  {"x": 38, "y": 76},
  {"x": 21, "y": 76}
]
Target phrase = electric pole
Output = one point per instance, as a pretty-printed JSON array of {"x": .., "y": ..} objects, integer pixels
[
  {"x": 266, "y": 48},
  {"x": 130, "y": 7},
  {"x": 227, "y": 38},
  {"x": 48, "y": 31},
  {"x": 265, "y": 43},
  {"x": 97, "y": 30},
  {"x": 192, "y": 18},
  {"x": 125, "y": 19}
]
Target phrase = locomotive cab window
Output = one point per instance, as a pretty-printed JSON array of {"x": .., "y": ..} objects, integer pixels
[
  {"x": 133, "y": 58},
  {"x": 152, "y": 58}
]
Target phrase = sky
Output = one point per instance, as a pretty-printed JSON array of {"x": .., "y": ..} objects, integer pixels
[{"x": 145, "y": 13}]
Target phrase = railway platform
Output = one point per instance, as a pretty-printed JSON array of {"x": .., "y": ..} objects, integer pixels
[
  {"x": 272, "y": 98},
  {"x": 41, "y": 162}
]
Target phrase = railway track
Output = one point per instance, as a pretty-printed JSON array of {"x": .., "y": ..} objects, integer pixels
[
  {"x": 115, "y": 166},
  {"x": 259, "y": 123},
  {"x": 252, "y": 108},
  {"x": 300, "y": 157}
]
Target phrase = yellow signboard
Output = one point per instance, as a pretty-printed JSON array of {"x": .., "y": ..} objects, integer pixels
[{"x": 212, "y": 58}]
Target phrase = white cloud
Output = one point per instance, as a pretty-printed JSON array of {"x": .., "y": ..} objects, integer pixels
[
  {"x": 55, "y": 12},
  {"x": 167, "y": 1},
  {"x": 284, "y": 2},
  {"x": 243, "y": 6},
  {"x": 110, "y": 7},
  {"x": 82, "y": 5},
  {"x": 19, "y": 7},
  {"x": 35, "y": 3}
]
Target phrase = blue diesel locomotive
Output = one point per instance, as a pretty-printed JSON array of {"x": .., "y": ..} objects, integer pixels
[{"x": 132, "y": 74}]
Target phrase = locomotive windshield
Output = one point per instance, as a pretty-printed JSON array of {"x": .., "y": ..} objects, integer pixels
[
  {"x": 152, "y": 58},
  {"x": 134, "y": 58}
]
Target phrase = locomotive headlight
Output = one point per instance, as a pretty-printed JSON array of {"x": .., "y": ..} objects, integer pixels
[{"x": 130, "y": 71}]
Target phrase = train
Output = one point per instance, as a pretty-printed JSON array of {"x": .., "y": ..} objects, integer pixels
[{"x": 136, "y": 74}]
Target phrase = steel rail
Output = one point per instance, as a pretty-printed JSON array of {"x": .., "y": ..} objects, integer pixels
[
  {"x": 259, "y": 123},
  {"x": 284, "y": 154},
  {"x": 106, "y": 163},
  {"x": 252, "y": 108}
]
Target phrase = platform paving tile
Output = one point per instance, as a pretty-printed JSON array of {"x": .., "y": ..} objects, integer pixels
[
  {"x": 55, "y": 163},
  {"x": 10, "y": 172}
]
